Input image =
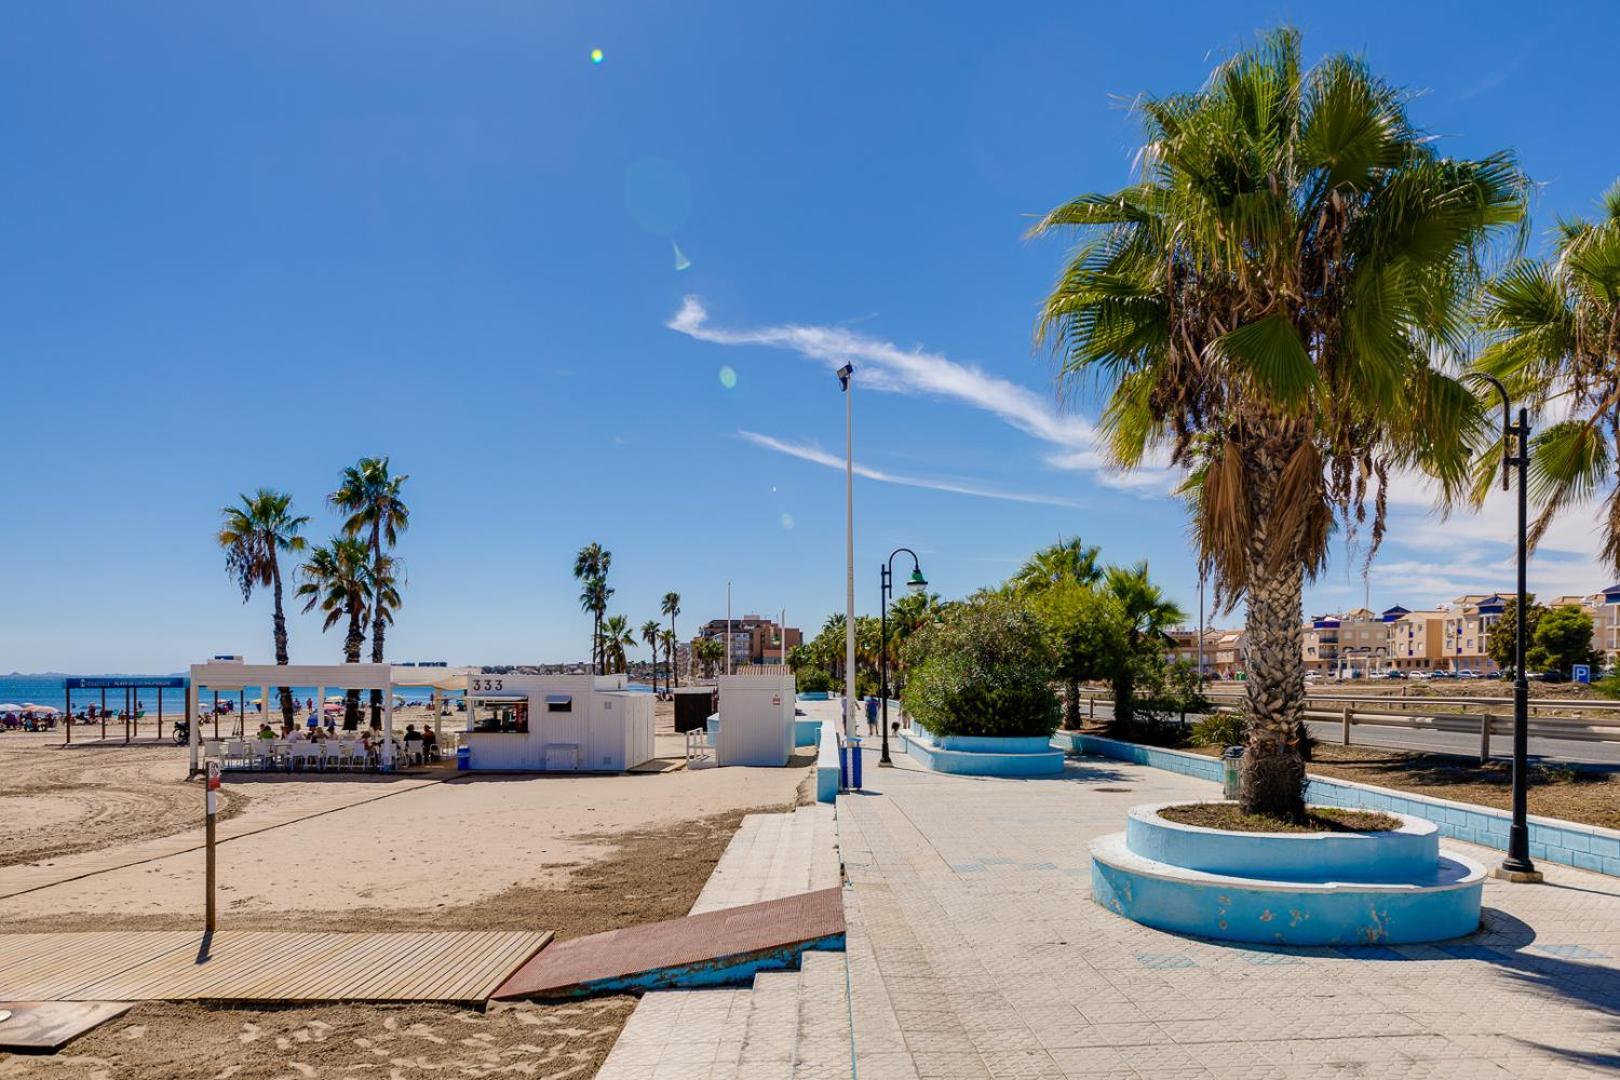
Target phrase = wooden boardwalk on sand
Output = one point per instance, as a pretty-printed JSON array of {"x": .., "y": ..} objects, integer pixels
[{"x": 261, "y": 966}]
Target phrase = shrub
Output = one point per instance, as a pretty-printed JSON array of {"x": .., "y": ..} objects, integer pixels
[
  {"x": 1221, "y": 729},
  {"x": 985, "y": 668},
  {"x": 813, "y": 681}
]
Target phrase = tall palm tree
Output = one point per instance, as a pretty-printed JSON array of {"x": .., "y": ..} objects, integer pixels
[
  {"x": 591, "y": 569},
  {"x": 253, "y": 534},
  {"x": 371, "y": 497},
  {"x": 1148, "y": 614},
  {"x": 1066, "y": 560},
  {"x": 1270, "y": 307},
  {"x": 671, "y": 607},
  {"x": 337, "y": 577},
  {"x": 668, "y": 640},
  {"x": 649, "y": 634},
  {"x": 1554, "y": 338}
]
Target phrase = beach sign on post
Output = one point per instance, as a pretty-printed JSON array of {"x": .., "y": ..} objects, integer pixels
[{"x": 211, "y": 808}]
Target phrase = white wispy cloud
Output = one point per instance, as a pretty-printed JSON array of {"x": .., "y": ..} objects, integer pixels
[
  {"x": 882, "y": 365},
  {"x": 816, "y": 455}
]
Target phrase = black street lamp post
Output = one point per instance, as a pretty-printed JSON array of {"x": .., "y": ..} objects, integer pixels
[
  {"x": 916, "y": 583},
  {"x": 1516, "y": 454}
]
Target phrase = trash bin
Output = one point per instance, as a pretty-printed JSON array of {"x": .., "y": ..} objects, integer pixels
[
  {"x": 1231, "y": 772},
  {"x": 463, "y": 758}
]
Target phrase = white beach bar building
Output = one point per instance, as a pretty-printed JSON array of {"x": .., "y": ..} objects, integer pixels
[
  {"x": 262, "y": 680},
  {"x": 556, "y": 723}
]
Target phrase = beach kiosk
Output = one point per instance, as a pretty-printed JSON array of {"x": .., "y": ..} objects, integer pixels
[
  {"x": 756, "y": 719},
  {"x": 556, "y": 723}
]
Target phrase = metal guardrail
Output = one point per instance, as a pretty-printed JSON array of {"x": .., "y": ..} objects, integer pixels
[{"x": 1417, "y": 714}]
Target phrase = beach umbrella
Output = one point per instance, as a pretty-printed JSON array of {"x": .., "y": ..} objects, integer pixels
[
  {"x": 31, "y": 707},
  {"x": 10, "y": 707}
]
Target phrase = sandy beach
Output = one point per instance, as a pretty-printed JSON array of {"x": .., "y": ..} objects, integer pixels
[{"x": 430, "y": 850}]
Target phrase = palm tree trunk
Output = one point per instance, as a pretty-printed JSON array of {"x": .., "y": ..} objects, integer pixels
[
  {"x": 1071, "y": 705},
  {"x": 352, "y": 644},
  {"x": 376, "y": 621},
  {"x": 279, "y": 630},
  {"x": 1273, "y": 768},
  {"x": 673, "y": 650}
]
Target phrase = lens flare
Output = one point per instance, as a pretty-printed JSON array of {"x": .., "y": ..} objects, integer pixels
[
  {"x": 728, "y": 378},
  {"x": 787, "y": 521},
  {"x": 681, "y": 261},
  {"x": 596, "y": 56}
]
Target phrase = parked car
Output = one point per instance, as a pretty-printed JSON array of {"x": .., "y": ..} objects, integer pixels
[
  {"x": 1391, "y": 673},
  {"x": 1544, "y": 676},
  {"x": 1467, "y": 674},
  {"x": 1442, "y": 673}
]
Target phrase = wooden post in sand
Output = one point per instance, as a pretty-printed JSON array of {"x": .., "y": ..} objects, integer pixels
[{"x": 211, "y": 808}]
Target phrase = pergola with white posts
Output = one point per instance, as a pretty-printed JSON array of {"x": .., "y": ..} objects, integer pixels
[{"x": 263, "y": 678}]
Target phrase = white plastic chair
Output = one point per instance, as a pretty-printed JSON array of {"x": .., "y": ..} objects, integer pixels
[
  {"x": 331, "y": 753},
  {"x": 302, "y": 753},
  {"x": 235, "y": 753}
]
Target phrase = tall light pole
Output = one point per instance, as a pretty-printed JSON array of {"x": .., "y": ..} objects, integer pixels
[
  {"x": 916, "y": 583},
  {"x": 1516, "y": 455},
  {"x": 1200, "y": 626},
  {"x": 728, "y": 628},
  {"x": 846, "y": 381}
]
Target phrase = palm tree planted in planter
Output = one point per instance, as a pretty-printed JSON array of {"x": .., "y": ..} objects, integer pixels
[
  {"x": 337, "y": 577},
  {"x": 1269, "y": 307},
  {"x": 370, "y": 495},
  {"x": 1554, "y": 327},
  {"x": 1147, "y": 616},
  {"x": 671, "y": 607},
  {"x": 253, "y": 534}
]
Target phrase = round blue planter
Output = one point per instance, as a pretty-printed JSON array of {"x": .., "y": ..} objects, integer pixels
[
  {"x": 1397, "y": 855},
  {"x": 965, "y": 755},
  {"x": 1392, "y": 887}
]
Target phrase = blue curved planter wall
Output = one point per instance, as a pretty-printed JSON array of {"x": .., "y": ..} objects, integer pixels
[
  {"x": 1403, "y": 855},
  {"x": 1232, "y": 909},
  {"x": 1011, "y": 758}
]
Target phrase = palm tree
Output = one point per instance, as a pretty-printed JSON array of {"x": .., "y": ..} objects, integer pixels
[
  {"x": 671, "y": 607},
  {"x": 591, "y": 568},
  {"x": 668, "y": 640},
  {"x": 649, "y": 634},
  {"x": 370, "y": 495},
  {"x": 616, "y": 636},
  {"x": 253, "y": 534},
  {"x": 1554, "y": 330},
  {"x": 1148, "y": 614},
  {"x": 1268, "y": 308},
  {"x": 338, "y": 578},
  {"x": 1066, "y": 560}
]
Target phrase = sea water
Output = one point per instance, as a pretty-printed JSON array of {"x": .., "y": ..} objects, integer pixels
[{"x": 47, "y": 690}]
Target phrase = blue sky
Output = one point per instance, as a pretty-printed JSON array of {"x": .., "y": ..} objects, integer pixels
[{"x": 246, "y": 244}]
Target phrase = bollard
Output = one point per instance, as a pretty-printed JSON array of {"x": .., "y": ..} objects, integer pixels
[
  {"x": 855, "y": 761},
  {"x": 1485, "y": 739},
  {"x": 1344, "y": 727}
]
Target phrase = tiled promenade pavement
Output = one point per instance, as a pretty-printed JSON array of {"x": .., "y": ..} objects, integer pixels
[{"x": 975, "y": 951}]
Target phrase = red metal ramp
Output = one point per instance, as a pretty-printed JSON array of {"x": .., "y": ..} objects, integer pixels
[{"x": 711, "y": 949}]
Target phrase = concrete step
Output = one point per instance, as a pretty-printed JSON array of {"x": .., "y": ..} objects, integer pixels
[
  {"x": 772, "y": 1029},
  {"x": 880, "y": 1048},
  {"x": 772, "y": 856},
  {"x": 822, "y": 1049}
]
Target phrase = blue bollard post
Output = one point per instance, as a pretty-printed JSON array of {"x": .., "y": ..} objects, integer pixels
[
  {"x": 843, "y": 766},
  {"x": 855, "y": 760}
]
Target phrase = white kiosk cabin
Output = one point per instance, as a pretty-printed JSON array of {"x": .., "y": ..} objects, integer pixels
[
  {"x": 756, "y": 718},
  {"x": 556, "y": 723}
]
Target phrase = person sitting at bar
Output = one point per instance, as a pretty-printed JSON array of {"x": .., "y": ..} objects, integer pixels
[
  {"x": 266, "y": 733},
  {"x": 430, "y": 743}
]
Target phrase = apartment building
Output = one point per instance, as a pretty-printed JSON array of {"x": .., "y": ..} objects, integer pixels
[
  {"x": 1357, "y": 641},
  {"x": 1415, "y": 640},
  {"x": 754, "y": 639},
  {"x": 1183, "y": 646},
  {"x": 1231, "y": 655},
  {"x": 1466, "y": 629},
  {"x": 1604, "y": 608}
]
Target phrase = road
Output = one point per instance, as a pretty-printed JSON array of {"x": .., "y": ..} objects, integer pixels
[{"x": 1447, "y": 742}]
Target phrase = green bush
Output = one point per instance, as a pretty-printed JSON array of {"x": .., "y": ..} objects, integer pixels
[
  {"x": 813, "y": 681},
  {"x": 1221, "y": 729},
  {"x": 985, "y": 668}
]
